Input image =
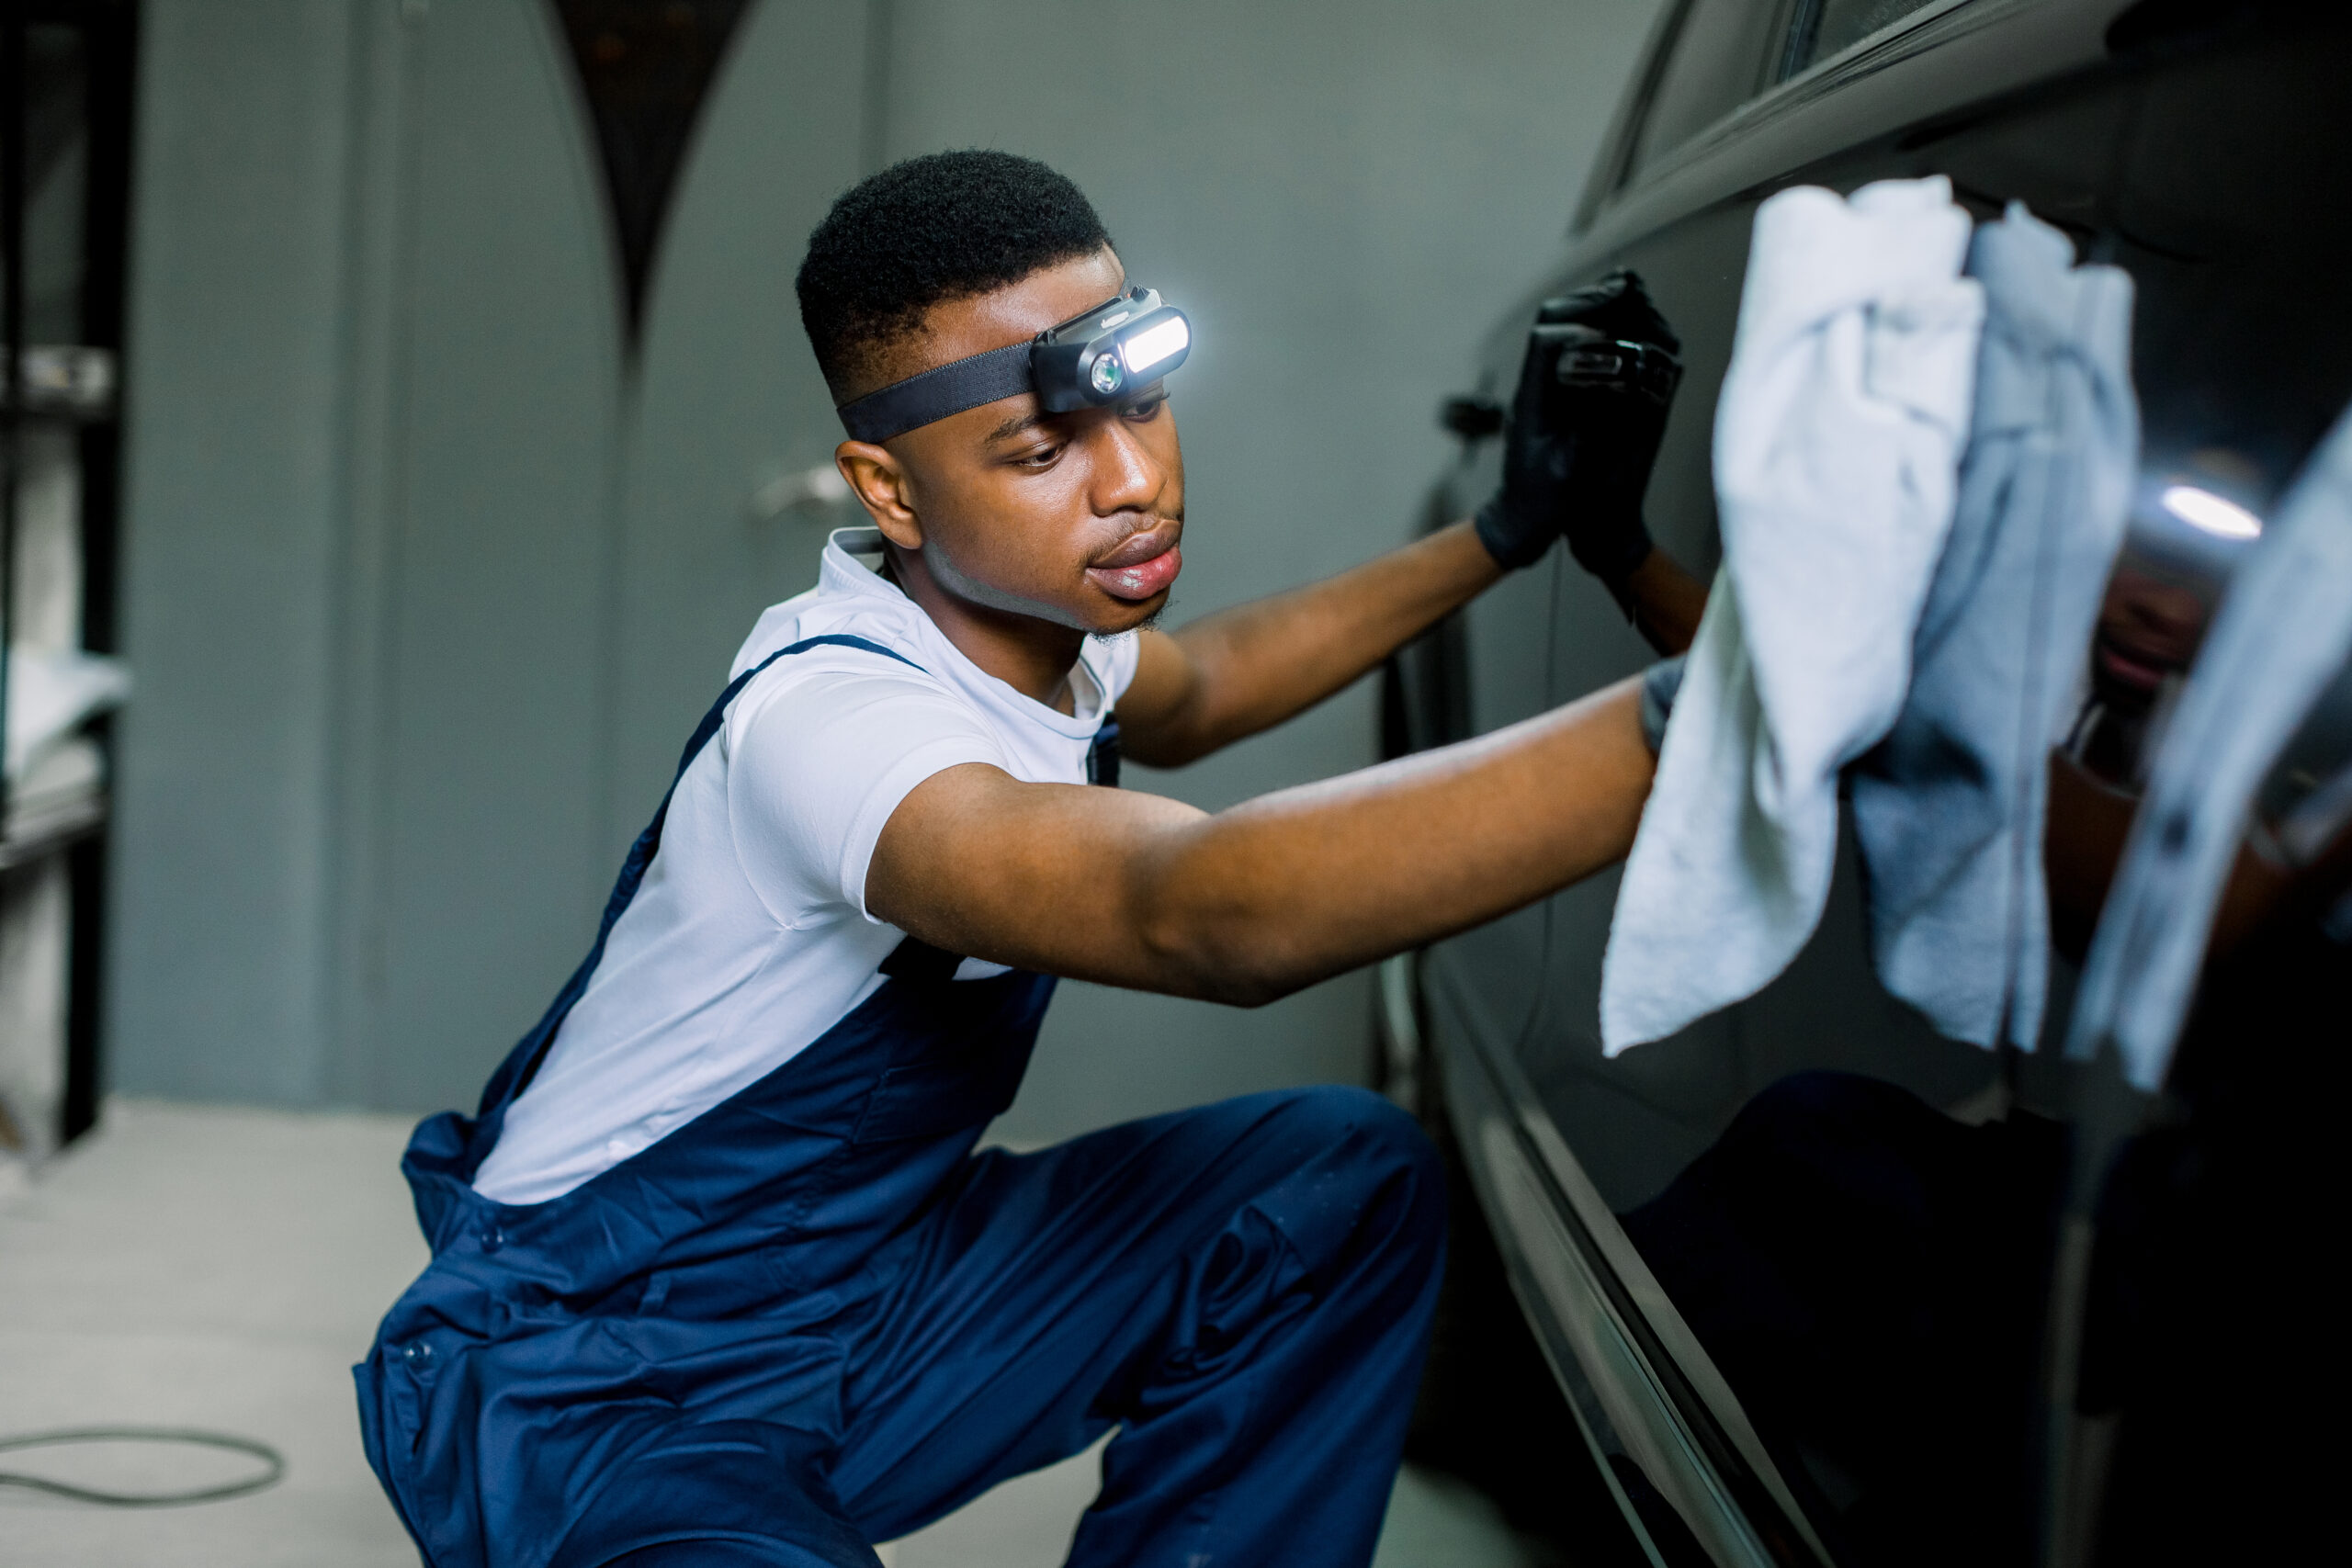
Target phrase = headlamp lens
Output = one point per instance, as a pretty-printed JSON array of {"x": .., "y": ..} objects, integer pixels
[
  {"x": 1107, "y": 375},
  {"x": 1151, "y": 345}
]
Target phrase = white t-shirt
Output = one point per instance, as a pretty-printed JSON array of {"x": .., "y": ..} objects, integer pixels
[{"x": 749, "y": 937}]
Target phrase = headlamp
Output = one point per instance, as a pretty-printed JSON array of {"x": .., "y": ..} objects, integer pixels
[{"x": 1096, "y": 357}]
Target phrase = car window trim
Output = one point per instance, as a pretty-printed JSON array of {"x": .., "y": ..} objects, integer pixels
[
  {"x": 1919, "y": 16},
  {"x": 2060, "y": 38},
  {"x": 1792, "y": 26},
  {"x": 1900, "y": 39},
  {"x": 1613, "y": 169},
  {"x": 1625, "y": 141}
]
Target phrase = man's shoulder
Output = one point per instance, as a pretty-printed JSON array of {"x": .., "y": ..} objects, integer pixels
[
  {"x": 837, "y": 630},
  {"x": 850, "y": 665},
  {"x": 814, "y": 668},
  {"x": 849, "y": 606}
]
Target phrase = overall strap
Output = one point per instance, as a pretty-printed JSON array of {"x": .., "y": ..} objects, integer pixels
[
  {"x": 515, "y": 1073},
  {"x": 1103, "y": 757}
]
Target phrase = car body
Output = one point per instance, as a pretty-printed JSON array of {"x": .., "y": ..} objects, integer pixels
[{"x": 1820, "y": 1285}]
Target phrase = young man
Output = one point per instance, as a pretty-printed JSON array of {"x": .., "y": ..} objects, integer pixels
[{"x": 716, "y": 1277}]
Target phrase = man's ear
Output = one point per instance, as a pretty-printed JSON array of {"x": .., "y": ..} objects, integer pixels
[{"x": 880, "y": 485}]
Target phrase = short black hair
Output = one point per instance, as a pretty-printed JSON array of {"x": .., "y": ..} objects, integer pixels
[{"x": 944, "y": 226}]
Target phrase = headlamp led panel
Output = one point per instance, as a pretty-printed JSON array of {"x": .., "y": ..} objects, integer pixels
[
  {"x": 1097, "y": 357},
  {"x": 1106, "y": 353}
]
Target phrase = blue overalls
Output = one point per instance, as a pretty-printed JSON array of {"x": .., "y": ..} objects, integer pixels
[{"x": 813, "y": 1317}]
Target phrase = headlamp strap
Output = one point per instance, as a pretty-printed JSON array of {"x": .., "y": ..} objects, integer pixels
[{"x": 945, "y": 389}]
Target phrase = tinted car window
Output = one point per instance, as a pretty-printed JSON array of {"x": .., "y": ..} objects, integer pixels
[
  {"x": 1824, "y": 26},
  {"x": 1716, "y": 65}
]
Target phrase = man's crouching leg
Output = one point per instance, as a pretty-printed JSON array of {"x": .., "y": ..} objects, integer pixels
[
  {"x": 718, "y": 1494},
  {"x": 1244, "y": 1289}
]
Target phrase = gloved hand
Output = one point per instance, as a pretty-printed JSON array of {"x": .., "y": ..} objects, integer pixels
[{"x": 1585, "y": 427}]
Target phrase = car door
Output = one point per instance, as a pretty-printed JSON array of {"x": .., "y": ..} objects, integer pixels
[
  {"x": 1796, "y": 1265},
  {"x": 1488, "y": 667}
]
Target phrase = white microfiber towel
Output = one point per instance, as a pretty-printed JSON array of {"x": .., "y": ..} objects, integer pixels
[
  {"x": 1837, "y": 441},
  {"x": 1949, "y": 809},
  {"x": 2282, "y": 633}
]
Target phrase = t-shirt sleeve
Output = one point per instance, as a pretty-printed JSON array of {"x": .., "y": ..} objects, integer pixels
[{"x": 816, "y": 767}]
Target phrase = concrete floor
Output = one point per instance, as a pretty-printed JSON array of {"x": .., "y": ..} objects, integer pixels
[{"x": 215, "y": 1267}]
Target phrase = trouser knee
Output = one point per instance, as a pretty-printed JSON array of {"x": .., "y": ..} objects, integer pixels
[{"x": 1363, "y": 1152}]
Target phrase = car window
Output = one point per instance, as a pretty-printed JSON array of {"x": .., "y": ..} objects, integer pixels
[
  {"x": 1823, "y": 27},
  {"x": 1716, "y": 65}
]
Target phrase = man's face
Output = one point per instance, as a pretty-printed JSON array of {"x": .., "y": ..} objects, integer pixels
[{"x": 1072, "y": 519}]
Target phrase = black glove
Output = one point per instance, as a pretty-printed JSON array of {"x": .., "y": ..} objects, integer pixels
[{"x": 1594, "y": 390}]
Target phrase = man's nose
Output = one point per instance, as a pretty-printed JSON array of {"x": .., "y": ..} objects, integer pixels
[{"x": 1127, "y": 478}]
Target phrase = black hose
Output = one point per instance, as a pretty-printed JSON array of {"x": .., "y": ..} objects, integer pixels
[{"x": 270, "y": 1457}]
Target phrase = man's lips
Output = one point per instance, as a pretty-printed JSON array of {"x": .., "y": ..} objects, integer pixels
[
  {"x": 1140, "y": 568},
  {"x": 2132, "y": 668}
]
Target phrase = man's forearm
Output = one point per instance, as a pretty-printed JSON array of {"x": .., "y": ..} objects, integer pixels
[
  {"x": 1664, "y": 601},
  {"x": 1296, "y": 886},
  {"x": 1259, "y": 663},
  {"x": 1138, "y": 890}
]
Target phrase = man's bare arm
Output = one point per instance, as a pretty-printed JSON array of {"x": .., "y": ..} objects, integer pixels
[
  {"x": 1665, "y": 602},
  {"x": 1241, "y": 670},
  {"x": 1256, "y": 902}
]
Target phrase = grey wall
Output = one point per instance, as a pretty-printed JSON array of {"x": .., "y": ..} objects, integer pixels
[
  {"x": 375, "y": 401},
  {"x": 425, "y": 583},
  {"x": 221, "y": 897}
]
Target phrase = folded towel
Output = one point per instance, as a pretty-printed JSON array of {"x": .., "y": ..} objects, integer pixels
[
  {"x": 1948, "y": 810},
  {"x": 1838, "y": 439},
  {"x": 2283, "y": 632}
]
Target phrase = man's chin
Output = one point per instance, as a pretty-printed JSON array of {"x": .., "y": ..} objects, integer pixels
[
  {"x": 1117, "y": 617},
  {"x": 1149, "y": 624}
]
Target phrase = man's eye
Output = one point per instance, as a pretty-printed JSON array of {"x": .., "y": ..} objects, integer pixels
[
  {"x": 1037, "y": 458},
  {"x": 1146, "y": 408}
]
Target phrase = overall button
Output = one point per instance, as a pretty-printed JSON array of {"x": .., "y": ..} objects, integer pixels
[
  {"x": 493, "y": 1238},
  {"x": 417, "y": 1354}
]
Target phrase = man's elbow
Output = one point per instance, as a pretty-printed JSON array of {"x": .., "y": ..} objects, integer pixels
[
  {"x": 1251, "y": 990},
  {"x": 1216, "y": 960}
]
